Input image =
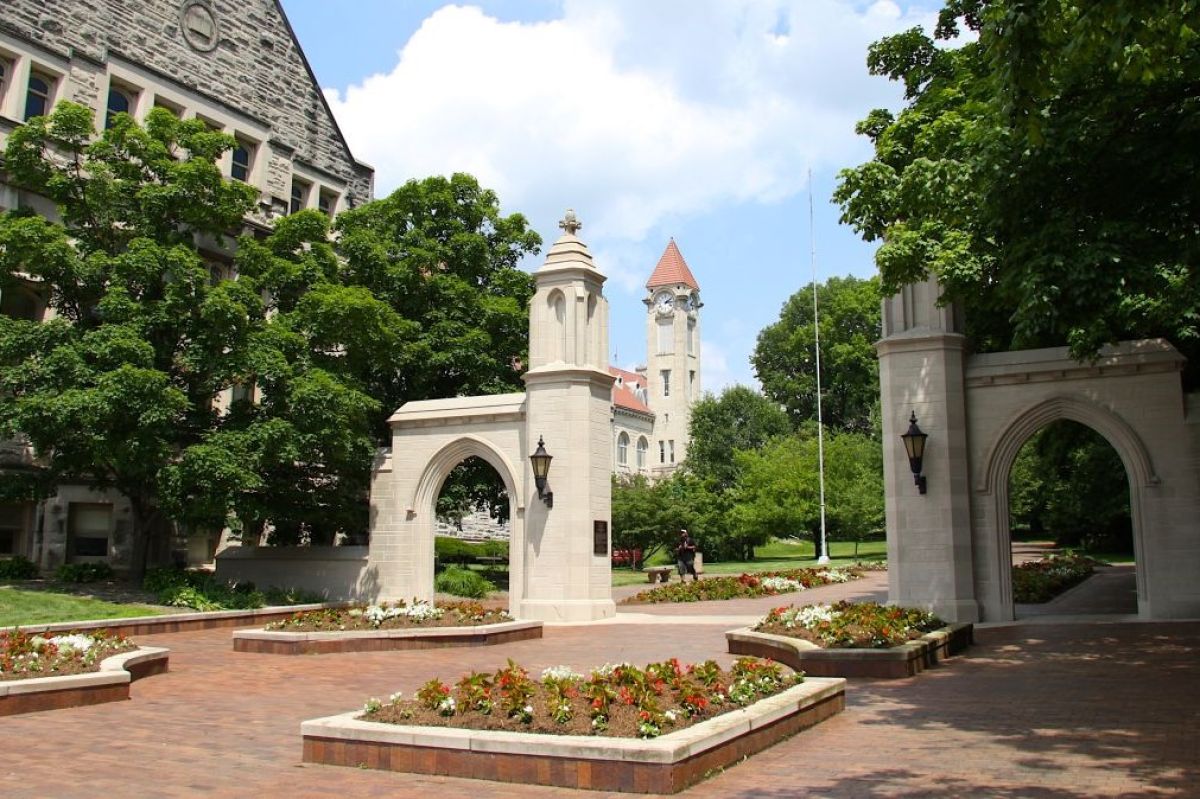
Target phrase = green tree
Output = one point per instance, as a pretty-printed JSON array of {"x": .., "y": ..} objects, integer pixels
[
  {"x": 115, "y": 388},
  {"x": 778, "y": 490},
  {"x": 639, "y": 518},
  {"x": 739, "y": 419},
  {"x": 1042, "y": 170},
  {"x": 784, "y": 357}
]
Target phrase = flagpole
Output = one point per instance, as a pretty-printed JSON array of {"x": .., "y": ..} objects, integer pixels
[{"x": 812, "y": 239}]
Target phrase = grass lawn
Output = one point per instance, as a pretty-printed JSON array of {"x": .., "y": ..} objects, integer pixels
[
  {"x": 21, "y": 607},
  {"x": 777, "y": 555}
]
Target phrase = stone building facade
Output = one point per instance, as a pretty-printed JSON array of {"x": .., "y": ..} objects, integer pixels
[{"x": 236, "y": 66}]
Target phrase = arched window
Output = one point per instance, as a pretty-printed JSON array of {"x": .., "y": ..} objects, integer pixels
[
  {"x": 642, "y": 446},
  {"x": 623, "y": 449},
  {"x": 556, "y": 340},
  {"x": 119, "y": 102},
  {"x": 37, "y": 98}
]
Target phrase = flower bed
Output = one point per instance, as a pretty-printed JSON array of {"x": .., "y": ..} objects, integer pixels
[
  {"x": 47, "y": 672},
  {"x": 24, "y": 656},
  {"x": 655, "y": 729},
  {"x": 742, "y": 586},
  {"x": 1041, "y": 580},
  {"x": 386, "y": 627},
  {"x": 863, "y": 639}
]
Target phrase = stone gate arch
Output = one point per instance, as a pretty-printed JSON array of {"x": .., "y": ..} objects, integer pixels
[
  {"x": 948, "y": 549},
  {"x": 991, "y": 489}
]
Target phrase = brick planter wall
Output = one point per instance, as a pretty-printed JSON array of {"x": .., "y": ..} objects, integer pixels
[
  {"x": 272, "y": 642},
  {"x": 667, "y": 764},
  {"x": 109, "y": 684},
  {"x": 905, "y": 660}
]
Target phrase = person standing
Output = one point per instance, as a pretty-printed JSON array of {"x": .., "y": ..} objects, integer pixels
[{"x": 685, "y": 557}]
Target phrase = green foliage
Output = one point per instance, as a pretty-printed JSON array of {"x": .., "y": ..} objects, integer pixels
[
  {"x": 850, "y": 625},
  {"x": 18, "y": 567},
  {"x": 472, "y": 485},
  {"x": 1042, "y": 171},
  {"x": 1069, "y": 482},
  {"x": 457, "y": 581},
  {"x": 784, "y": 357},
  {"x": 456, "y": 550},
  {"x": 203, "y": 591},
  {"x": 778, "y": 492},
  {"x": 83, "y": 572},
  {"x": 419, "y": 297},
  {"x": 739, "y": 419}
]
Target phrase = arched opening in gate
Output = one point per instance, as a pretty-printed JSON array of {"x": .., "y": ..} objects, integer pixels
[
  {"x": 1069, "y": 498},
  {"x": 473, "y": 530}
]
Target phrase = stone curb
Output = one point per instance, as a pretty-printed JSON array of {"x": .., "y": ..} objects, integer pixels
[
  {"x": 279, "y": 642},
  {"x": 665, "y": 764},
  {"x": 110, "y": 683},
  {"x": 895, "y": 662}
]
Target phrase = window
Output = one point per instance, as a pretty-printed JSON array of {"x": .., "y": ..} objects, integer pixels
[
  {"x": 666, "y": 336},
  {"x": 4, "y": 70},
  {"x": 19, "y": 302},
  {"x": 37, "y": 98},
  {"x": 242, "y": 392},
  {"x": 326, "y": 202},
  {"x": 623, "y": 449},
  {"x": 666, "y": 381},
  {"x": 241, "y": 162},
  {"x": 11, "y": 521},
  {"x": 691, "y": 337},
  {"x": 120, "y": 101},
  {"x": 691, "y": 384},
  {"x": 89, "y": 526},
  {"x": 642, "y": 446},
  {"x": 662, "y": 451},
  {"x": 299, "y": 196},
  {"x": 671, "y": 449},
  {"x": 169, "y": 106}
]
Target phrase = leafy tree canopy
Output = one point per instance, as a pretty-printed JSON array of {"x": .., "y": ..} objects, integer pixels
[
  {"x": 784, "y": 357},
  {"x": 740, "y": 418},
  {"x": 1043, "y": 170}
]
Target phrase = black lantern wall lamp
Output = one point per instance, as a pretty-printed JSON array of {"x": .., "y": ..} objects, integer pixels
[
  {"x": 541, "y": 468},
  {"x": 914, "y": 445}
]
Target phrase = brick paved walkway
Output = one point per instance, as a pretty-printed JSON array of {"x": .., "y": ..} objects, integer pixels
[{"x": 1062, "y": 711}]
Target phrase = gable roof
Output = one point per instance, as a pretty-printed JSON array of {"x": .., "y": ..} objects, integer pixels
[
  {"x": 623, "y": 396},
  {"x": 672, "y": 270}
]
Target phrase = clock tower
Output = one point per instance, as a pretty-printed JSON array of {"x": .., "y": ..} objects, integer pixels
[{"x": 672, "y": 357}]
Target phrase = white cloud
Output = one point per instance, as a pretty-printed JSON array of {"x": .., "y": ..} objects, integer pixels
[{"x": 631, "y": 112}]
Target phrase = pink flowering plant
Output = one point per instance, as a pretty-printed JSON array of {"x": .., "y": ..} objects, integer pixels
[
  {"x": 861, "y": 625},
  {"x": 391, "y": 616},
  {"x": 24, "y": 655},
  {"x": 612, "y": 700},
  {"x": 743, "y": 586}
]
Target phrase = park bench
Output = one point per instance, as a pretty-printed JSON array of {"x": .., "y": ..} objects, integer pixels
[{"x": 659, "y": 573}]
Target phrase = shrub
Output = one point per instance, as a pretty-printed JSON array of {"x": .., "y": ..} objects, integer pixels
[
  {"x": 83, "y": 572},
  {"x": 1042, "y": 580},
  {"x": 203, "y": 591},
  {"x": 455, "y": 550},
  {"x": 458, "y": 581},
  {"x": 18, "y": 568}
]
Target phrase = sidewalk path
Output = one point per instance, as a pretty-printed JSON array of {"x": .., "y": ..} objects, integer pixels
[{"x": 1064, "y": 711}]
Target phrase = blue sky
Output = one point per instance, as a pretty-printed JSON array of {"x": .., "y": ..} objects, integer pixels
[{"x": 692, "y": 119}]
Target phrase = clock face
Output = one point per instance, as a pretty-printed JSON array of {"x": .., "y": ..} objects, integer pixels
[{"x": 664, "y": 302}]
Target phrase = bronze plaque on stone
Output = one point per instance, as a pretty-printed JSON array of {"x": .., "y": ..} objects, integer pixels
[{"x": 599, "y": 538}]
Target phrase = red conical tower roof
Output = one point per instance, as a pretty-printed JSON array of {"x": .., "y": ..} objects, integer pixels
[{"x": 672, "y": 270}]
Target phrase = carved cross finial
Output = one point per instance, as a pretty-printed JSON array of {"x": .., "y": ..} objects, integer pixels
[{"x": 570, "y": 223}]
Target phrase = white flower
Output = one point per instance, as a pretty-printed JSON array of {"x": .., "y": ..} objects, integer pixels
[
  {"x": 396, "y": 697},
  {"x": 79, "y": 642},
  {"x": 560, "y": 673},
  {"x": 837, "y": 576},
  {"x": 781, "y": 585}
]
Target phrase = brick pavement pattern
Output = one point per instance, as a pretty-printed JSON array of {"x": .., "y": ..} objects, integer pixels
[{"x": 1051, "y": 711}]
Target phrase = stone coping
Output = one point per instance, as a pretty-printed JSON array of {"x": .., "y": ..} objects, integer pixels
[
  {"x": 179, "y": 622},
  {"x": 904, "y": 660},
  {"x": 109, "y": 683},
  {"x": 664, "y": 764},
  {"x": 282, "y": 642}
]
